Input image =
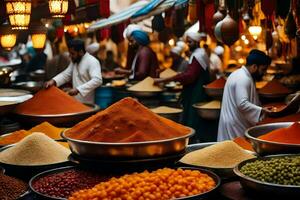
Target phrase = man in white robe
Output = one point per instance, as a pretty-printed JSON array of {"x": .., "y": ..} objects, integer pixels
[
  {"x": 84, "y": 71},
  {"x": 240, "y": 105}
]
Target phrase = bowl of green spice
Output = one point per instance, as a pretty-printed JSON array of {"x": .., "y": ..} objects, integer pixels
[{"x": 276, "y": 174}]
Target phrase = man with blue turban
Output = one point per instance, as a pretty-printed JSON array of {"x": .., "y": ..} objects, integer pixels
[
  {"x": 240, "y": 105},
  {"x": 145, "y": 62}
]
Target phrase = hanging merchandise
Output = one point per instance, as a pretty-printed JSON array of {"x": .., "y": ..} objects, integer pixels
[
  {"x": 158, "y": 23},
  {"x": 192, "y": 11},
  {"x": 104, "y": 8},
  {"x": 290, "y": 27},
  {"x": 269, "y": 38},
  {"x": 178, "y": 22},
  {"x": 234, "y": 7},
  {"x": 209, "y": 12},
  {"x": 117, "y": 32},
  {"x": 168, "y": 19},
  {"x": 282, "y": 8},
  {"x": 227, "y": 31},
  {"x": 201, "y": 15}
]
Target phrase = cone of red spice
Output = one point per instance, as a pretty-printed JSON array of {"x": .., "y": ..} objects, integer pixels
[
  {"x": 217, "y": 84},
  {"x": 51, "y": 101},
  {"x": 274, "y": 87},
  {"x": 288, "y": 135}
]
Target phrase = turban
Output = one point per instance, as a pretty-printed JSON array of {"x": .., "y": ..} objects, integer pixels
[
  {"x": 177, "y": 50},
  {"x": 129, "y": 29},
  {"x": 93, "y": 48},
  {"x": 219, "y": 50},
  {"x": 194, "y": 36},
  {"x": 141, "y": 37},
  {"x": 181, "y": 44},
  {"x": 258, "y": 57}
]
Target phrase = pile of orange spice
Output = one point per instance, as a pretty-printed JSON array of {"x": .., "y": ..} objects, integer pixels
[
  {"x": 274, "y": 87},
  {"x": 242, "y": 142},
  {"x": 45, "y": 127},
  {"x": 288, "y": 135},
  {"x": 126, "y": 121},
  {"x": 51, "y": 101},
  {"x": 217, "y": 84}
]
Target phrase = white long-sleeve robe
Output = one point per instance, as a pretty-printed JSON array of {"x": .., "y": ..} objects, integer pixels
[
  {"x": 85, "y": 76},
  {"x": 240, "y": 105}
]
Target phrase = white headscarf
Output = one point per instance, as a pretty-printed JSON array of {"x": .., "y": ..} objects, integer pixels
[
  {"x": 93, "y": 48},
  {"x": 177, "y": 50},
  {"x": 219, "y": 50},
  {"x": 129, "y": 29},
  {"x": 201, "y": 56},
  {"x": 181, "y": 44},
  {"x": 194, "y": 36}
]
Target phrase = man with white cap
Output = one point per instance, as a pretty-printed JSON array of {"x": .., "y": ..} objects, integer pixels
[
  {"x": 93, "y": 49},
  {"x": 193, "y": 78},
  {"x": 179, "y": 64},
  {"x": 216, "y": 64},
  {"x": 145, "y": 62}
]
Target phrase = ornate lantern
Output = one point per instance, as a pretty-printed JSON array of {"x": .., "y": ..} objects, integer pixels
[
  {"x": 58, "y": 8},
  {"x": 18, "y": 12},
  {"x": 8, "y": 37},
  {"x": 38, "y": 36}
]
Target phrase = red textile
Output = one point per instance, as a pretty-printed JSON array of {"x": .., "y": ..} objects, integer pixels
[
  {"x": 209, "y": 13},
  {"x": 191, "y": 74},
  {"x": 104, "y": 34},
  {"x": 104, "y": 8},
  {"x": 201, "y": 15}
]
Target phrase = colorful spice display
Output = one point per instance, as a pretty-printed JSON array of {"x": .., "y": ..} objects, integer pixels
[
  {"x": 146, "y": 85},
  {"x": 225, "y": 154},
  {"x": 51, "y": 101},
  {"x": 126, "y": 121},
  {"x": 63, "y": 184},
  {"x": 166, "y": 110},
  {"x": 283, "y": 171},
  {"x": 161, "y": 184},
  {"x": 288, "y": 135},
  {"x": 35, "y": 149},
  {"x": 217, "y": 84},
  {"x": 274, "y": 87},
  {"x": 11, "y": 188},
  {"x": 242, "y": 142},
  {"x": 45, "y": 127}
]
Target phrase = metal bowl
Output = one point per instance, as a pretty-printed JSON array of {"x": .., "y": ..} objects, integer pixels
[
  {"x": 272, "y": 96},
  {"x": 62, "y": 120},
  {"x": 31, "y": 86},
  {"x": 264, "y": 147},
  {"x": 224, "y": 173},
  {"x": 4, "y": 109},
  {"x": 216, "y": 93},
  {"x": 149, "y": 149},
  {"x": 264, "y": 187},
  {"x": 206, "y": 113},
  {"x": 25, "y": 172}
]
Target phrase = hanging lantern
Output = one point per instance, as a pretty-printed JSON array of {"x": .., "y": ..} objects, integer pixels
[
  {"x": 8, "y": 37},
  {"x": 38, "y": 36},
  {"x": 58, "y": 8},
  {"x": 18, "y": 12}
]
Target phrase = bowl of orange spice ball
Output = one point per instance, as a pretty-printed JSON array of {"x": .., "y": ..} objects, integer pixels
[{"x": 161, "y": 184}]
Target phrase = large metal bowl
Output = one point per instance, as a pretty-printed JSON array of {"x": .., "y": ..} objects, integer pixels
[
  {"x": 264, "y": 187},
  {"x": 264, "y": 147},
  {"x": 31, "y": 86},
  {"x": 149, "y": 149},
  {"x": 216, "y": 93},
  {"x": 4, "y": 109},
  {"x": 207, "y": 113},
  {"x": 61, "y": 120},
  {"x": 144, "y": 93}
]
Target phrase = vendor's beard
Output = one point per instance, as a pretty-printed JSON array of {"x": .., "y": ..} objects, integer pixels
[
  {"x": 257, "y": 77},
  {"x": 77, "y": 60}
]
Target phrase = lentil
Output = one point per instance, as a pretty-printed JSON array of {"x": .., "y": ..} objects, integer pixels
[
  {"x": 159, "y": 185},
  {"x": 11, "y": 188},
  {"x": 225, "y": 154},
  {"x": 166, "y": 110},
  {"x": 63, "y": 184},
  {"x": 146, "y": 85},
  {"x": 283, "y": 171}
]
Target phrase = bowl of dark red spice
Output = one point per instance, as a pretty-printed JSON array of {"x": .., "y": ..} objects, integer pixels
[
  {"x": 60, "y": 183},
  {"x": 275, "y": 138},
  {"x": 127, "y": 129},
  {"x": 11, "y": 188},
  {"x": 54, "y": 106},
  {"x": 274, "y": 90},
  {"x": 276, "y": 175},
  {"x": 215, "y": 89}
]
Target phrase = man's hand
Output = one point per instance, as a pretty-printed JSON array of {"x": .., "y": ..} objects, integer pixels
[
  {"x": 49, "y": 83},
  {"x": 73, "y": 92}
]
